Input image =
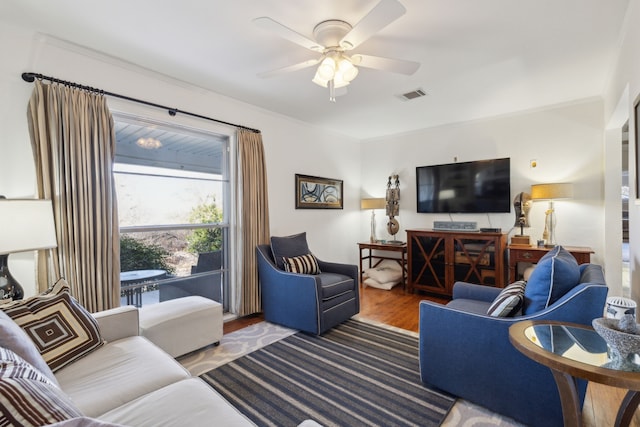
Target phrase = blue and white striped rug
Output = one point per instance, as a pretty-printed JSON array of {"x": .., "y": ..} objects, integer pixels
[{"x": 357, "y": 374}]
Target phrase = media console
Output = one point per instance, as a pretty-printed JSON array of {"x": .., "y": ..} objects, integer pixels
[{"x": 438, "y": 258}]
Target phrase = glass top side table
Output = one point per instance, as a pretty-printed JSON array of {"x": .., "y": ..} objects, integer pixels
[{"x": 576, "y": 351}]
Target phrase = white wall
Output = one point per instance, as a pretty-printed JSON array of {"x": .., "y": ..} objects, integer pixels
[
  {"x": 624, "y": 88},
  {"x": 566, "y": 141},
  {"x": 291, "y": 146}
]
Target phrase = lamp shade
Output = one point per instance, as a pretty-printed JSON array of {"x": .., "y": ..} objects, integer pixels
[
  {"x": 551, "y": 191},
  {"x": 373, "y": 203},
  {"x": 26, "y": 225}
]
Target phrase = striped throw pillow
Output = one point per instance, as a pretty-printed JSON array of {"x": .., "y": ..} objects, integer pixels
[
  {"x": 61, "y": 329},
  {"x": 28, "y": 397},
  {"x": 303, "y": 264},
  {"x": 509, "y": 301}
]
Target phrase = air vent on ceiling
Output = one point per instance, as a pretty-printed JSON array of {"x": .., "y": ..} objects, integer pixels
[{"x": 418, "y": 93}]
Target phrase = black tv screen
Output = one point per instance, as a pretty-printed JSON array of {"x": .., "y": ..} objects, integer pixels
[{"x": 482, "y": 186}]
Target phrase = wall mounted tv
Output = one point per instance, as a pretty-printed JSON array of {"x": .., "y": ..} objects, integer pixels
[{"x": 482, "y": 186}]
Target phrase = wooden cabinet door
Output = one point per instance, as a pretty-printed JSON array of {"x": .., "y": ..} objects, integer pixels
[
  {"x": 429, "y": 263},
  {"x": 475, "y": 260}
]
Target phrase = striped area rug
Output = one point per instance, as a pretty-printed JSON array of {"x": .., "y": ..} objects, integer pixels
[{"x": 357, "y": 374}]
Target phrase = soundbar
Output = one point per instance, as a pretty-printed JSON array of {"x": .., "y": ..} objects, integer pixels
[{"x": 455, "y": 225}]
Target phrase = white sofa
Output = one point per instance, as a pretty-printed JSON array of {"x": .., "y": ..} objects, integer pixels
[
  {"x": 131, "y": 381},
  {"x": 127, "y": 381}
]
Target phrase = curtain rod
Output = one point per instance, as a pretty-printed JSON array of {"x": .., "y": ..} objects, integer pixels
[{"x": 31, "y": 77}]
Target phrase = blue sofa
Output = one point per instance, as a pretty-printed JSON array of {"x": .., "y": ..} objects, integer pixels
[
  {"x": 467, "y": 353},
  {"x": 310, "y": 303}
]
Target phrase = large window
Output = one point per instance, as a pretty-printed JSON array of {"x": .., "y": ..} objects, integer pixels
[{"x": 173, "y": 197}]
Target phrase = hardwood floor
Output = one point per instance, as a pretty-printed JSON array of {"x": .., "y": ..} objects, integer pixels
[{"x": 400, "y": 309}]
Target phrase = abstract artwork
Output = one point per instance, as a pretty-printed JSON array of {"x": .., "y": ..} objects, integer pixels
[{"x": 313, "y": 192}]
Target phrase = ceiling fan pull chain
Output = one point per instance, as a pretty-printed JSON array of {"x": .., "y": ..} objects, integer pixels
[{"x": 332, "y": 91}]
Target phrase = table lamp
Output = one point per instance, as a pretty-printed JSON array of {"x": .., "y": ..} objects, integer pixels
[
  {"x": 551, "y": 192},
  {"x": 25, "y": 225},
  {"x": 373, "y": 204}
]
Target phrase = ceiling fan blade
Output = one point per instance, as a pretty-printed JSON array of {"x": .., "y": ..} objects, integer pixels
[
  {"x": 386, "y": 64},
  {"x": 287, "y": 33},
  {"x": 383, "y": 14},
  {"x": 288, "y": 69}
]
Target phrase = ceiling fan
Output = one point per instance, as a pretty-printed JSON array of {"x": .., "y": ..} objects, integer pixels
[{"x": 333, "y": 38}]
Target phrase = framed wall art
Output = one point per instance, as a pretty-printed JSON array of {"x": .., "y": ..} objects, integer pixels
[{"x": 313, "y": 192}]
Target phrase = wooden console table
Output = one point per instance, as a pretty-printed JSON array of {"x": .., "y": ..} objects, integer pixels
[
  {"x": 532, "y": 254},
  {"x": 388, "y": 247}
]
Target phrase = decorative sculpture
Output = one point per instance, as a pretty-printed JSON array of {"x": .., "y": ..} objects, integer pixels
[
  {"x": 522, "y": 205},
  {"x": 393, "y": 207}
]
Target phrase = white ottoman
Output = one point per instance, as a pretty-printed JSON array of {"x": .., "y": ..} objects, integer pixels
[{"x": 182, "y": 325}]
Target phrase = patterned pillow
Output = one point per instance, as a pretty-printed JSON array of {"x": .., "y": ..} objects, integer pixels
[
  {"x": 29, "y": 398},
  {"x": 509, "y": 301},
  {"x": 61, "y": 329},
  {"x": 304, "y": 264}
]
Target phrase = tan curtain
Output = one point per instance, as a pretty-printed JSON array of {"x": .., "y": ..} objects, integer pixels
[
  {"x": 73, "y": 142},
  {"x": 254, "y": 216}
]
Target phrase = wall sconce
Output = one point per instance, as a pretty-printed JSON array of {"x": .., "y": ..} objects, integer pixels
[
  {"x": 25, "y": 225},
  {"x": 551, "y": 192},
  {"x": 373, "y": 204}
]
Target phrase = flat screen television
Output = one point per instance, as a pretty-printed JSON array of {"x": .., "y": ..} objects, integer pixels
[{"x": 482, "y": 186}]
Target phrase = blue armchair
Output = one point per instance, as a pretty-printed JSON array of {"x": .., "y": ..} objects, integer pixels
[
  {"x": 310, "y": 303},
  {"x": 467, "y": 353}
]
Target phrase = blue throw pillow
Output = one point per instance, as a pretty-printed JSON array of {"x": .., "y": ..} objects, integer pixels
[
  {"x": 556, "y": 274},
  {"x": 289, "y": 246}
]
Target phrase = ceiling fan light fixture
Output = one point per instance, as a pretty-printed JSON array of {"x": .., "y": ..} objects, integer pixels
[
  {"x": 319, "y": 80},
  {"x": 149, "y": 143},
  {"x": 346, "y": 69},
  {"x": 327, "y": 68},
  {"x": 339, "y": 81}
]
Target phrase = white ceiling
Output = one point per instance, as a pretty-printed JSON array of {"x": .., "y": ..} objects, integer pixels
[{"x": 478, "y": 58}]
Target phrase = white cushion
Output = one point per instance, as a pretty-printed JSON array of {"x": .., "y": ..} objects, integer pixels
[
  {"x": 84, "y": 422},
  {"x": 375, "y": 284},
  {"x": 185, "y": 403},
  {"x": 117, "y": 373},
  {"x": 386, "y": 271},
  {"x": 182, "y": 325}
]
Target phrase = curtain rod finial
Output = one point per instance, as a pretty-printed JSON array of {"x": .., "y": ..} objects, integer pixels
[{"x": 28, "y": 77}]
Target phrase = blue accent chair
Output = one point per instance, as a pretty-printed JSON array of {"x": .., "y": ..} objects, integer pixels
[
  {"x": 310, "y": 303},
  {"x": 467, "y": 353}
]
